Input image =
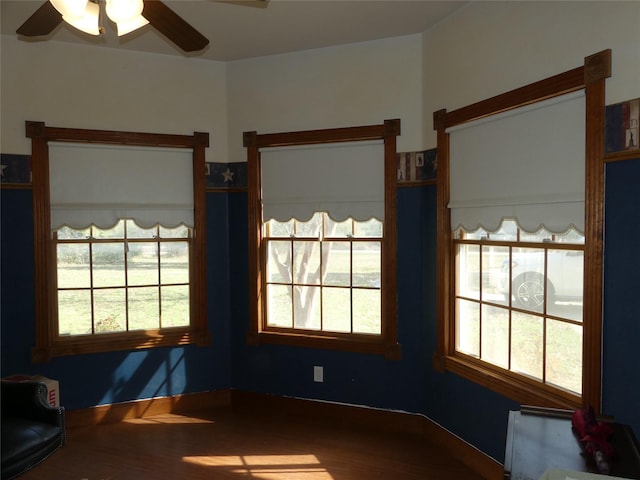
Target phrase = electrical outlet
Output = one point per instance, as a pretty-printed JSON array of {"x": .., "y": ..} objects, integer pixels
[{"x": 318, "y": 374}]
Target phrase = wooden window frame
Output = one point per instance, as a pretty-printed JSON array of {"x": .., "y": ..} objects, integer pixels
[
  {"x": 591, "y": 77},
  {"x": 385, "y": 344},
  {"x": 48, "y": 343}
]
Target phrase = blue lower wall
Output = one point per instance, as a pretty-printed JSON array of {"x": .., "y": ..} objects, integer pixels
[
  {"x": 621, "y": 329},
  {"x": 474, "y": 413},
  {"x": 96, "y": 379}
]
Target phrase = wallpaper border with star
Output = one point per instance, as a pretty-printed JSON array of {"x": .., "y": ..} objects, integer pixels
[{"x": 412, "y": 168}]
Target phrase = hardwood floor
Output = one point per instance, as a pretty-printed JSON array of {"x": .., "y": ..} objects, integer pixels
[{"x": 230, "y": 444}]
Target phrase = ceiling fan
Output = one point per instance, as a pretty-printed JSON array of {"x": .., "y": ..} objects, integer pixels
[{"x": 127, "y": 14}]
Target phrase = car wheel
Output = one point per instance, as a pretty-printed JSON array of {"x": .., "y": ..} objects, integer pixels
[{"x": 528, "y": 291}]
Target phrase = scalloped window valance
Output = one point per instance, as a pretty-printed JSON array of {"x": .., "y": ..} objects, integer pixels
[
  {"x": 343, "y": 179},
  {"x": 527, "y": 164},
  {"x": 96, "y": 184}
]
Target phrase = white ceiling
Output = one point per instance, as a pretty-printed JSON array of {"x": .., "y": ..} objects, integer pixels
[{"x": 237, "y": 31}]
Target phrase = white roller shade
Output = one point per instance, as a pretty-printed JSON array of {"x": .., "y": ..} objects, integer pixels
[
  {"x": 526, "y": 164},
  {"x": 343, "y": 179},
  {"x": 93, "y": 184}
]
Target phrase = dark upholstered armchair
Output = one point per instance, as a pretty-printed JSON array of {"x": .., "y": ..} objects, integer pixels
[{"x": 31, "y": 429}]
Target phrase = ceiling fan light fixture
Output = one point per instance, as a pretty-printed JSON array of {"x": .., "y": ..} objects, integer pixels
[
  {"x": 127, "y": 15},
  {"x": 70, "y": 8},
  {"x": 81, "y": 14}
]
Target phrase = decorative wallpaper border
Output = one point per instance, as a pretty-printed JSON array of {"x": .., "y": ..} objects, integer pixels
[
  {"x": 622, "y": 126},
  {"x": 622, "y": 133},
  {"x": 417, "y": 167},
  {"x": 412, "y": 168},
  {"x": 15, "y": 170}
]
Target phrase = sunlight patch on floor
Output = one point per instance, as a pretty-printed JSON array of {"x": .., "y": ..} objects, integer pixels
[
  {"x": 265, "y": 467},
  {"x": 168, "y": 419}
]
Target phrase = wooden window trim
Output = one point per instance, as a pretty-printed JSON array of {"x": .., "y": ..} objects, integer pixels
[
  {"x": 48, "y": 344},
  {"x": 590, "y": 77},
  {"x": 385, "y": 344}
]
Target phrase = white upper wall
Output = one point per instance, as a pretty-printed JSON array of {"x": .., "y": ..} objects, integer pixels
[
  {"x": 482, "y": 50},
  {"x": 82, "y": 86},
  {"x": 488, "y": 48},
  {"x": 350, "y": 85}
]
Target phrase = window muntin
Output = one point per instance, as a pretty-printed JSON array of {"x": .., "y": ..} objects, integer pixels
[
  {"x": 508, "y": 316},
  {"x": 323, "y": 275},
  {"x": 122, "y": 279}
]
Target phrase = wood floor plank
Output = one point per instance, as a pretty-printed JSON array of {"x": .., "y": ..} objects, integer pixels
[{"x": 225, "y": 444}]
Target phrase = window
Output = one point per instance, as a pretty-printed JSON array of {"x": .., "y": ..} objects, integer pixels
[
  {"x": 119, "y": 240},
  {"x": 324, "y": 275},
  {"x": 122, "y": 279},
  {"x": 507, "y": 314},
  {"x": 520, "y": 193},
  {"x": 322, "y": 238}
]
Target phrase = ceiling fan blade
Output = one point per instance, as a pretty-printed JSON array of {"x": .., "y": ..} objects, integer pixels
[
  {"x": 43, "y": 21},
  {"x": 172, "y": 26}
]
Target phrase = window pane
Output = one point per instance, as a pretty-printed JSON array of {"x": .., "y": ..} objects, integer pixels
[
  {"x": 177, "y": 232},
  {"x": 366, "y": 311},
  {"x": 279, "y": 229},
  {"x": 571, "y": 236},
  {"x": 336, "y": 309},
  {"x": 337, "y": 229},
  {"x": 144, "y": 311},
  {"x": 116, "y": 231},
  {"x": 494, "y": 260},
  {"x": 110, "y": 313},
  {"x": 469, "y": 271},
  {"x": 508, "y": 231},
  {"x": 366, "y": 264},
  {"x": 306, "y": 262},
  {"x": 279, "y": 261},
  {"x": 108, "y": 265},
  {"x": 540, "y": 236},
  {"x": 174, "y": 262},
  {"x": 142, "y": 264},
  {"x": 336, "y": 263},
  {"x": 279, "y": 306},
  {"x": 74, "y": 270},
  {"x": 495, "y": 335},
  {"x": 68, "y": 233},
  {"x": 564, "y": 355},
  {"x": 479, "y": 234},
  {"x": 527, "y": 273},
  {"x": 527, "y": 344},
  {"x": 306, "y": 307},
  {"x": 565, "y": 280},
  {"x": 134, "y": 231},
  {"x": 74, "y": 312},
  {"x": 175, "y": 306},
  {"x": 371, "y": 228},
  {"x": 468, "y": 327},
  {"x": 311, "y": 228}
]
